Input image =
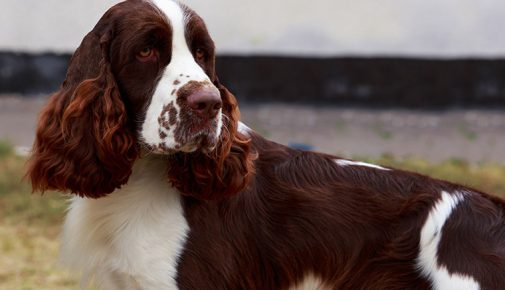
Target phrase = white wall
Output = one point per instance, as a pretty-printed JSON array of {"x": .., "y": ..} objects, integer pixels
[{"x": 322, "y": 27}]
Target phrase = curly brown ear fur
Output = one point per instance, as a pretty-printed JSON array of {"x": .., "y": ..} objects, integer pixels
[
  {"x": 83, "y": 144},
  {"x": 223, "y": 172}
]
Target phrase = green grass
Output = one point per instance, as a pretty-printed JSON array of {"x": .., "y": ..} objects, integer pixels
[
  {"x": 29, "y": 229},
  {"x": 17, "y": 204},
  {"x": 30, "y": 223}
]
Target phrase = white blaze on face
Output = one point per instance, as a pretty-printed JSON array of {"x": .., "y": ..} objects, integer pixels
[{"x": 182, "y": 69}]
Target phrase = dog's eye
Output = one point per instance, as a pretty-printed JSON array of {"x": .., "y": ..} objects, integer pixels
[
  {"x": 147, "y": 53},
  {"x": 200, "y": 54}
]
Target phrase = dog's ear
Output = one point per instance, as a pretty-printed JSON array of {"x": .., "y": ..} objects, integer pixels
[
  {"x": 83, "y": 143},
  {"x": 223, "y": 172}
]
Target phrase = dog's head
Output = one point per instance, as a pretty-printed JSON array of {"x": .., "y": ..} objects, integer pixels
[{"x": 143, "y": 80}]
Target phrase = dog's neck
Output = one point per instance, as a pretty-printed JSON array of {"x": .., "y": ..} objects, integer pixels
[
  {"x": 149, "y": 166},
  {"x": 143, "y": 214}
]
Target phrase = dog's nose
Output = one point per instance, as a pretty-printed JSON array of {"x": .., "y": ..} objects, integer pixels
[{"x": 206, "y": 102}]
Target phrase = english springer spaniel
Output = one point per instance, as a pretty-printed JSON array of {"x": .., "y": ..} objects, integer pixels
[{"x": 171, "y": 191}]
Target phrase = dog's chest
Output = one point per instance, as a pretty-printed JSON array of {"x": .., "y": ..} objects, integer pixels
[{"x": 132, "y": 237}]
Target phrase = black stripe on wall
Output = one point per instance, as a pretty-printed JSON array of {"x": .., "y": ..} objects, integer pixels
[{"x": 384, "y": 82}]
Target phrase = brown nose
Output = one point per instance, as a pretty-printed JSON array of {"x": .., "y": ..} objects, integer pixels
[{"x": 206, "y": 102}]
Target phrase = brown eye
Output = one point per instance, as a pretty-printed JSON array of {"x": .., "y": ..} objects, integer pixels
[
  {"x": 199, "y": 54},
  {"x": 146, "y": 53}
]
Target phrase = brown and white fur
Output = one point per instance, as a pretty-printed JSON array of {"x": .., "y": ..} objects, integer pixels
[{"x": 172, "y": 192}]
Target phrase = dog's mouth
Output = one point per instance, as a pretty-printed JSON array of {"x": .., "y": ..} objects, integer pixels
[
  {"x": 203, "y": 143},
  {"x": 189, "y": 137},
  {"x": 200, "y": 142},
  {"x": 198, "y": 135}
]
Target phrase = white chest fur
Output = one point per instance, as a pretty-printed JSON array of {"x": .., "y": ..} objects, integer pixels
[{"x": 132, "y": 238}]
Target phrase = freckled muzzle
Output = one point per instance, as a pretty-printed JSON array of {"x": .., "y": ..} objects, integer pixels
[{"x": 199, "y": 121}]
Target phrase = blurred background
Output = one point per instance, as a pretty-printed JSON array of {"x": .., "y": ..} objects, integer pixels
[{"x": 418, "y": 85}]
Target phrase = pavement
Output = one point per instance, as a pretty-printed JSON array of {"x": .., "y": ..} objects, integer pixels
[{"x": 474, "y": 135}]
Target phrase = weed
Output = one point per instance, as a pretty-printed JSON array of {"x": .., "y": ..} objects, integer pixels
[
  {"x": 382, "y": 133},
  {"x": 467, "y": 133}
]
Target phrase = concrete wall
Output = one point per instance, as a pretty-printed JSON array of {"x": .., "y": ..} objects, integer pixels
[{"x": 325, "y": 27}]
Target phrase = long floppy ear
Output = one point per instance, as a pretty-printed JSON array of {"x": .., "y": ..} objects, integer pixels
[
  {"x": 83, "y": 143},
  {"x": 223, "y": 172}
]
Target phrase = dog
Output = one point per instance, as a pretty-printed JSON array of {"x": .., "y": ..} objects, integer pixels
[{"x": 171, "y": 191}]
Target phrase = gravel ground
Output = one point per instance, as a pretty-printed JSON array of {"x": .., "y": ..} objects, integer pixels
[{"x": 472, "y": 135}]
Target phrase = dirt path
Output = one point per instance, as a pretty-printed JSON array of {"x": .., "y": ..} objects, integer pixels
[{"x": 473, "y": 135}]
